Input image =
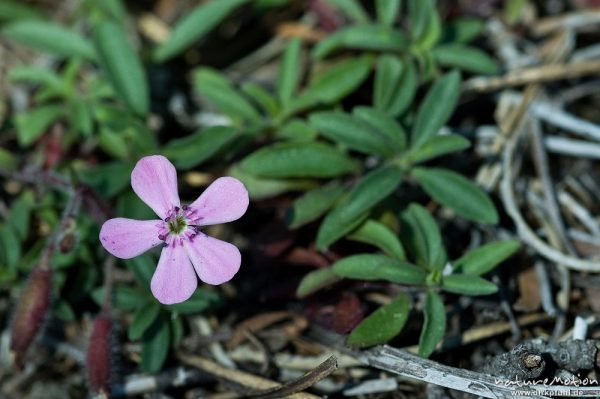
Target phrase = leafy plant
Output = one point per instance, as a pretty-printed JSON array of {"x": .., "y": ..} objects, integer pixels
[{"x": 425, "y": 265}]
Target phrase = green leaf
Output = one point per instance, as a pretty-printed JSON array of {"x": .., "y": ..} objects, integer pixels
[
  {"x": 379, "y": 235},
  {"x": 458, "y": 193},
  {"x": 49, "y": 37},
  {"x": 31, "y": 124},
  {"x": 432, "y": 33},
  {"x": 113, "y": 143},
  {"x": 142, "y": 320},
  {"x": 297, "y": 130},
  {"x": 260, "y": 188},
  {"x": 349, "y": 213},
  {"x": 143, "y": 267},
  {"x": 34, "y": 74},
  {"x": 468, "y": 285},
  {"x": 419, "y": 12},
  {"x": 219, "y": 91},
  {"x": 383, "y": 324},
  {"x": 262, "y": 98},
  {"x": 81, "y": 117},
  {"x": 335, "y": 83},
  {"x": 352, "y": 132},
  {"x": 127, "y": 299},
  {"x": 155, "y": 345},
  {"x": 11, "y": 247},
  {"x": 289, "y": 71},
  {"x": 15, "y": 10},
  {"x": 8, "y": 160},
  {"x": 176, "y": 332},
  {"x": 422, "y": 237},
  {"x": 199, "y": 301},
  {"x": 122, "y": 65},
  {"x": 387, "y": 11},
  {"x": 108, "y": 178},
  {"x": 194, "y": 26},
  {"x": 313, "y": 204},
  {"x": 395, "y": 85},
  {"x": 298, "y": 159},
  {"x": 190, "y": 151},
  {"x": 384, "y": 125},
  {"x": 487, "y": 257},
  {"x": 379, "y": 267},
  {"x": 463, "y": 30},
  {"x": 352, "y": 9},
  {"x": 467, "y": 58},
  {"x": 434, "y": 325},
  {"x": 437, "y": 108},
  {"x": 20, "y": 214},
  {"x": 362, "y": 37},
  {"x": 437, "y": 146},
  {"x": 315, "y": 281}
]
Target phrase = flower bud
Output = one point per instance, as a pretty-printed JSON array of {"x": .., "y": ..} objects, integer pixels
[
  {"x": 30, "y": 312},
  {"x": 99, "y": 356}
]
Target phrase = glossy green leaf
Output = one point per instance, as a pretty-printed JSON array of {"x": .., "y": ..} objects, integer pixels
[
  {"x": 176, "y": 331},
  {"x": 219, "y": 91},
  {"x": 155, "y": 345},
  {"x": 349, "y": 213},
  {"x": 260, "y": 188},
  {"x": 289, "y": 71},
  {"x": 433, "y": 30},
  {"x": 436, "y": 108},
  {"x": 468, "y": 285},
  {"x": 458, "y": 193},
  {"x": 487, "y": 257},
  {"x": 194, "y": 26},
  {"x": 387, "y": 11},
  {"x": 421, "y": 236},
  {"x": 49, "y": 37},
  {"x": 352, "y": 132},
  {"x": 434, "y": 326},
  {"x": 362, "y": 37},
  {"x": 379, "y": 235},
  {"x": 81, "y": 117},
  {"x": 313, "y": 204},
  {"x": 20, "y": 214},
  {"x": 108, "y": 178},
  {"x": 31, "y": 124},
  {"x": 373, "y": 267},
  {"x": 142, "y": 320},
  {"x": 437, "y": 146},
  {"x": 298, "y": 159},
  {"x": 388, "y": 70},
  {"x": 383, "y": 124},
  {"x": 316, "y": 280},
  {"x": 122, "y": 65},
  {"x": 404, "y": 91},
  {"x": 352, "y": 9},
  {"x": 200, "y": 300},
  {"x": 383, "y": 324},
  {"x": 193, "y": 149},
  {"x": 113, "y": 144},
  {"x": 334, "y": 83},
  {"x": 467, "y": 58},
  {"x": 418, "y": 14}
]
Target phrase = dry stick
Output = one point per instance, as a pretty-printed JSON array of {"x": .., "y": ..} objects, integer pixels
[
  {"x": 525, "y": 232},
  {"x": 572, "y": 20},
  {"x": 534, "y": 75},
  {"x": 540, "y": 158},
  {"x": 245, "y": 379},
  {"x": 306, "y": 381}
]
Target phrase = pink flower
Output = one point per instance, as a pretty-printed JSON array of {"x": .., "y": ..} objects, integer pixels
[{"x": 185, "y": 247}]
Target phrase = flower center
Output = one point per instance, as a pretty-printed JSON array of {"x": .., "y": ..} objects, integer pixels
[
  {"x": 177, "y": 225},
  {"x": 181, "y": 224}
]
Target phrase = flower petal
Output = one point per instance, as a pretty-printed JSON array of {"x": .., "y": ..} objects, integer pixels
[
  {"x": 127, "y": 238},
  {"x": 174, "y": 280},
  {"x": 215, "y": 261},
  {"x": 225, "y": 200},
  {"x": 154, "y": 180}
]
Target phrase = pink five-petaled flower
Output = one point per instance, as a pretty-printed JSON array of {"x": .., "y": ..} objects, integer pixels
[{"x": 185, "y": 246}]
